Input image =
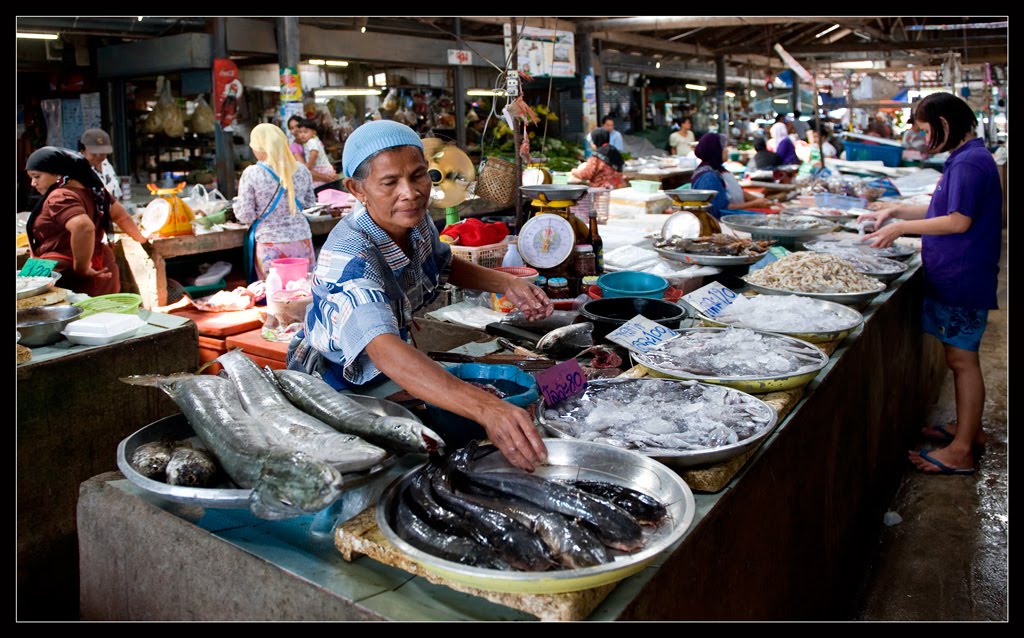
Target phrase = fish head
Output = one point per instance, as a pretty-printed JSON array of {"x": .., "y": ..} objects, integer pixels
[
  {"x": 575, "y": 336},
  {"x": 292, "y": 483}
]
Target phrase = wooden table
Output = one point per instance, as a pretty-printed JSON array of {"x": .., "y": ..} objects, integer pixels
[{"x": 148, "y": 263}]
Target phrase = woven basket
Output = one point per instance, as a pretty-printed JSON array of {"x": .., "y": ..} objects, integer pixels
[
  {"x": 497, "y": 181},
  {"x": 124, "y": 303}
]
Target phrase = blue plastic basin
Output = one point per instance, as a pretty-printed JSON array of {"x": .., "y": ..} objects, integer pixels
[{"x": 630, "y": 283}]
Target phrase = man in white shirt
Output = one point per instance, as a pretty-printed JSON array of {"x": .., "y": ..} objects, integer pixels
[
  {"x": 616, "y": 138},
  {"x": 95, "y": 146},
  {"x": 683, "y": 141}
]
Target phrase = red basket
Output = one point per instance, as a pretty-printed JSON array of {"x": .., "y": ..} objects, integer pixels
[{"x": 672, "y": 293}]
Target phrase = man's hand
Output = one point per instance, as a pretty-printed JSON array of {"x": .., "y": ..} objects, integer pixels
[
  {"x": 511, "y": 429},
  {"x": 528, "y": 298}
]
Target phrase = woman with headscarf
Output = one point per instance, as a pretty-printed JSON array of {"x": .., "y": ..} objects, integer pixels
[
  {"x": 378, "y": 266},
  {"x": 784, "y": 146},
  {"x": 604, "y": 167},
  {"x": 712, "y": 175},
  {"x": 271, "y": 194},
  {"x": 68, "y": 223}
]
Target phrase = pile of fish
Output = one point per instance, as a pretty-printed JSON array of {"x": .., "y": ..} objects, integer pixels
[
  {"x": 717, "y": 244},
  {"x": 288, "y": 436},
  {"x": 734, "y": 353},
  {"x": 843, "y": 248},
  {"x": 514, "y": 520},
  {"x": 784, "y": 313},
  {"x": 660, "y": 414},
  {"x": 779, "y": 222},
  {"x": 814, "y": 272},
  {"x": 175, "y": 463}
]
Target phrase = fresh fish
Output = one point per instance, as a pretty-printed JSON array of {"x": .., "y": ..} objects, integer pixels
[
  {"x": 314, "y": 397},
  {"x": 263, "y": 401},
  {"x": 574, "y": 336},
  {"x": 150, "y": 459},
  {"x": 647, "y": 510},
  {"x": 611, "y": 524},
  {"x": 421, "y": 500},
  {"x": 192, "y": 468},
  {"x": 284, "y": 482}
]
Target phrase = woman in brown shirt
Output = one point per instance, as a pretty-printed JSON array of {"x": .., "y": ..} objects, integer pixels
[{"x": 69, "y": 222}]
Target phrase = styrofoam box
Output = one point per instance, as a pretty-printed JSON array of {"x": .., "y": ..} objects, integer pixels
[
  {"x": 102, "y": 328},
  {"x": 627, "y": 202}
]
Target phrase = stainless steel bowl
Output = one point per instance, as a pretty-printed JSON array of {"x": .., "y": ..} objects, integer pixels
[
  {"x": 853, "y": 319},
  {"x": 684, "y": 195},
  {"x": 42, "y": 326},
  {"x": 38, "y": 290},
  {"x": 838, "y": 297},
  {"x": 554, "y": 192}
]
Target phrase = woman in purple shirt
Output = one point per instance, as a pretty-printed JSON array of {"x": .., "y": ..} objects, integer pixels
[{"x": 961, "y": 229}]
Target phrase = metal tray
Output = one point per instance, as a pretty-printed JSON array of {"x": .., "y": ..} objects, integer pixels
[
  {"x": 886, "y": 276},
  {"x": 838, "y": 297},
  {"x": 228, "y": 495},
  {"x": 754, "y": 385},
  {"x": 896, "y": 251},
  {"x": 709, "y": 260},
  {"x": 686, "y": 195},
  {"x": 568, "y": 459},
  {"x": 38, "y": 290},
  {"x": 742, "y": 222},
  {"x": 855, "y": 319},
  {"x": 552, "y": 192},
  {"x": 679, "y": 457},
  {"x": 802, "y": 212}
]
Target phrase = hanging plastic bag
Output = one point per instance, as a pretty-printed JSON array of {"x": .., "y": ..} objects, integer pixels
[
  {"x": 171, "y": 117},
  {"x": 202, "y": 117}
]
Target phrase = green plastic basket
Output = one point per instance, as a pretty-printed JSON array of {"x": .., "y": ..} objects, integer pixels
[{"x": 124, "y": 303}]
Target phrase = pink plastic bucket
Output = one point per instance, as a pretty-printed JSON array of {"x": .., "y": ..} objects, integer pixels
[{"x": 291, "y": 269}]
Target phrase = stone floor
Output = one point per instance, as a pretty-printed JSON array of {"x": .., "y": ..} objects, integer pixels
[{"x": 948, "y": 558}]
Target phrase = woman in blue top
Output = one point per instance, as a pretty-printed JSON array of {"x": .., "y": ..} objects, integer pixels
[
  {"x": 711, "y": 175},
  {"x": 961, "y": 233}
]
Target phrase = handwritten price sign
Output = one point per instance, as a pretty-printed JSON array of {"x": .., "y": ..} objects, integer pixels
[
  {"x": 561, "y": 382},
  {"x": 713, "y": 299},
  {"x": 640, "y": 334},
  {"x": 37, "y": 267}
]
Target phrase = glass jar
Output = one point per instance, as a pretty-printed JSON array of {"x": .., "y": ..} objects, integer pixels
[
  {"x": 584, "y": 261},
  {"x": 557, "y": 288}
]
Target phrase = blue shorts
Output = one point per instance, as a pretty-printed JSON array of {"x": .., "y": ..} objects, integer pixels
[{"x": 954, "y": 326}]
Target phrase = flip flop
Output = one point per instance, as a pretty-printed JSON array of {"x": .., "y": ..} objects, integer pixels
[
  {"x": 937, "y": 433},
  {"x": 943, "y": 469}
]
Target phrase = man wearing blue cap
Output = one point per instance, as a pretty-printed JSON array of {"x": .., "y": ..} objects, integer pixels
[{"x": 379, "y": 265}]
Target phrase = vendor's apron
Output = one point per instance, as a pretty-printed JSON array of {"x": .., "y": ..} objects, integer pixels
[
  {"x": 92, "y": 286},
  {"x": 249, "y": 245}
]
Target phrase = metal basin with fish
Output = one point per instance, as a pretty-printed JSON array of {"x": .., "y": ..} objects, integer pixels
[
  {"x": 854, "y": 319},
  {"x": 26, "y": 291},
  {"x": 572, "y": 460},
  {"x": 837, "y": 297},
  {"x": 677, "y": 457},
  {"x": 778, "y": 226},
  {"x": 753, "y": 384},
  {"x": 227, "y": 495}
]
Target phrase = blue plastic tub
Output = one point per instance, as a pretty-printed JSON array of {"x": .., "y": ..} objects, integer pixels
[
  {"x": 630, "y": 283},
  {"x": 842, "y": 202},
  {"x": 520, "y": 387},
  {"x": 888, "y": 155}
]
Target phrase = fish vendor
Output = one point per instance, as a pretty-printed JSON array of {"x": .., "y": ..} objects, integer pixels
[{"x": 383, "y": 262}]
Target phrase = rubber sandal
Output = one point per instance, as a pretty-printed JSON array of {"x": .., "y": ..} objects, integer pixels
[
  {"x": 937, "y": 433},
  {"x": 944, "y": 469}
]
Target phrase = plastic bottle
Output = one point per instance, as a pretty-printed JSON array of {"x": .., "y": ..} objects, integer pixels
[
  {"x": 274, "y": 283},
  {"x": 512, "y": 256}
]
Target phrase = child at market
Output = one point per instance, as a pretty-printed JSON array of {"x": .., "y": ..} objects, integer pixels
[
  {"x": 961, "y": 233},
  {"x": 316, "y": 158}
]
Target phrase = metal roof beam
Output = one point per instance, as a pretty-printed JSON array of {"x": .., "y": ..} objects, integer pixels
[{"x": 652, "y": 23}]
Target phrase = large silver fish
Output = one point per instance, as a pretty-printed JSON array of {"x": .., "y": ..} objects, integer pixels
[
  {"x": 284, "y": 482},
  {"x": 264, "y": 401},
  {"x": 316, "y": 398},
  {"x": 575, "y": 336}
]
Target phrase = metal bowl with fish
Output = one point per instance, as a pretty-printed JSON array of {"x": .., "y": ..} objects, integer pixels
[
  {"x": 32, "y": 286},
  {"x": 568, "y": 460},
  {"x": 826, "y": 321},
  {"x": 679, "y": 423}
]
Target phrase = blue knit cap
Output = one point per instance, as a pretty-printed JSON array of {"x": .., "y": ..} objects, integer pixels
[{"x": 375, "y": 136}]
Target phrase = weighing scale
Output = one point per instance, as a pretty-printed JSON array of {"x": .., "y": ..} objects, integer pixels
[{"x": 547, "y": 239}]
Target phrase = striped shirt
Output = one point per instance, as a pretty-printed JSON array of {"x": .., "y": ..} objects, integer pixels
[{"x": 364, "y": 286}]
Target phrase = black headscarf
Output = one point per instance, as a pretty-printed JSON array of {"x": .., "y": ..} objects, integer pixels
[
  {"x": 604, "y": 151},
  {"x": 67, "y": 164}
]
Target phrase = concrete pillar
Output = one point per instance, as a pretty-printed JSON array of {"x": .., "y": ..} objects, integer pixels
[
  {"x": 723, "y": 115},
  {"x": 460, "y": 92},
  {"x": 224, "y": 146}
]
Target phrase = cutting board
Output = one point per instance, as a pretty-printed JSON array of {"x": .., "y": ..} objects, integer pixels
[{"x": 222, "y": 324}]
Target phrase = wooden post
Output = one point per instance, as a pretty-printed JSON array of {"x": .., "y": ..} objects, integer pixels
[{"x": 517, "y": 139}]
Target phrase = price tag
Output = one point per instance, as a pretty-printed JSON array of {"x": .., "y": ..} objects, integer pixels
[
  {"x": 640, "y": 334},
  {"x": 713, "y": 299},
  {"x": 561, "y": 382},
  {"x": 37, "y": 267}
]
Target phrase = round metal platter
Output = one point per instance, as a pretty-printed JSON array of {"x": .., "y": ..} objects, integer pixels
[
  {"x": 854, "y": 319},
  {"x": 40, "y": 289},
  {"x": 896, "y": 251},
  {"x": 572, "y": 460},
  {"x": 752, "y": 384},
  {"x": 838, "y": 297},
  {"x": 687, "y": 195},
  {"x": 743, "y": 222},
  {"x": 900, "y": 268},
  {"x": 677, "y": 457},
  {"x": 227, "y": 495},
  {"x": 554, "y": 192},
  {"x": 805, "y": 212},
  {"x": 709, "y": 260}
]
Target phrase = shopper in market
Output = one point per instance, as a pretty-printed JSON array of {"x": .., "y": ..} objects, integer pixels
[
  {"x": 379, "y": 265},
  {"x": 960, "y": 246},
  {"x": 271, "y": 195},
  {"x": 604, "y": 167},
  {"x": 317, "y": 160},
  {"x": 614, "y": 137},
  {"x": 296, "y": 146},
  {"x": 68, "y": 223},
  {"x": 763, "y": 159},
  {"x": 782, "y": 144},
  {"x": 95, "y": 146},
  {"x": 711, "y": 174},
  {"x": 682, "y": 140}
]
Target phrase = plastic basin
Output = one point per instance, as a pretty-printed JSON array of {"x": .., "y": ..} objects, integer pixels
[
  {"x": 630, "y": 283},
  {"x": 609, "y": 314}
]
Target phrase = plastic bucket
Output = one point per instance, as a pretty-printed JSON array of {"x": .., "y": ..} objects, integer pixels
[
  {"x": 291, "y": 269},
  {"x": 609, "y": 314}
]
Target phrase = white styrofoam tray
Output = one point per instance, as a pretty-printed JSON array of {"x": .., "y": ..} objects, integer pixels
[{"x": 102, "y": 328}]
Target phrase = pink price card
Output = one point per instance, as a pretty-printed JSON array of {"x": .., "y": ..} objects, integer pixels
[{"x": 561, "y": 381}]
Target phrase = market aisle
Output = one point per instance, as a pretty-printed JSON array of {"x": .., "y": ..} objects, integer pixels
[{"x": 947, "y": 560}]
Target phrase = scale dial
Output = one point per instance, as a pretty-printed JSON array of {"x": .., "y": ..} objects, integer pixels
[{"x": 546, "y": 240}]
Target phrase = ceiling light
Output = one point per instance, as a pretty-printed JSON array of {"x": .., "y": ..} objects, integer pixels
[
  {"x": 730, "y": 94},
  {"x": 657, "y": 65},
  {"x": 140, "y": 18},
  {"x": 828, "y": 30},
  {"x": 753, "y": 93},
  {"x": 696, "y": 87},
  {"x": 337, "y": 63},
  {"x": 37, "y": 36},
  {"x": 362, "y": 30},
  {"x": 344, "y": 91},
  {"x": 780, "y": 100},
  {"x": 486, "y": 92},
  {"x": 380, "y": 78},
  {"x": 317, "y": 62}
]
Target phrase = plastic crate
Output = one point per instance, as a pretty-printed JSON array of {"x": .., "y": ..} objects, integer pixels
[
  {"x": 487, "y": 256},
  {"x": 842, "y": 202},
  {"x": 888, "y": 155}
]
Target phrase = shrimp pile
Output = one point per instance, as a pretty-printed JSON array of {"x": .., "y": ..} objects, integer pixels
[{"x": 814, "y": 272}]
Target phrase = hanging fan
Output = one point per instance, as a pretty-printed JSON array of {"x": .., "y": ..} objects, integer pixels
[{"x": 451, "y": 172}]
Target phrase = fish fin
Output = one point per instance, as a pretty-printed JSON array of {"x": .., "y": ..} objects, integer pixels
[
  {"x": 154, "y": 380},
  {"x": 206, "y": 365}
]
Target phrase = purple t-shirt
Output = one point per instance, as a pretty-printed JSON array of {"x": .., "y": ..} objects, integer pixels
[{"x": 961, "y": 269}]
